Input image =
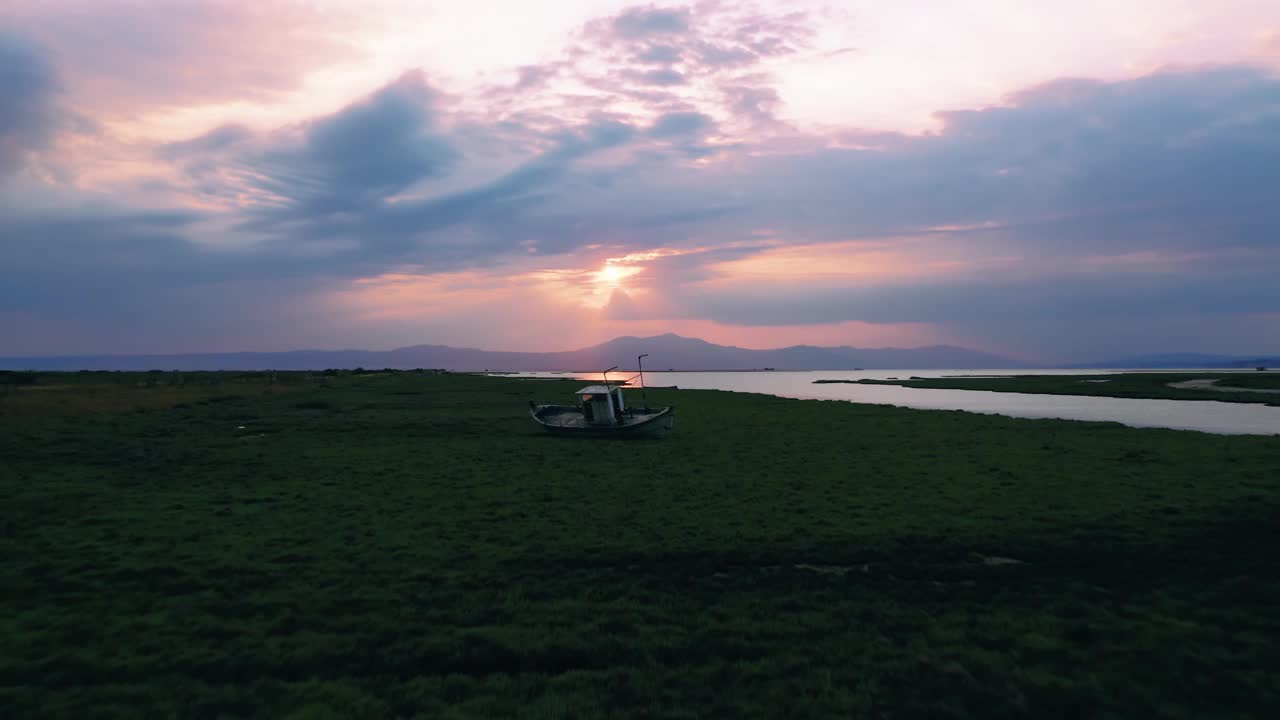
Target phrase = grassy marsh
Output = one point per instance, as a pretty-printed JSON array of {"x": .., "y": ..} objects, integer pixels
[{"x": 398, "y": 545}]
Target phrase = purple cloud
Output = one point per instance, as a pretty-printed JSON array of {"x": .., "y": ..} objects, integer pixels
[
  {"x": 355, "y": 158},
  {"x": 534, "y": 76},
  {"x": 132, "y": 55},
  {"x": 757, "y": 103},
  {"x": 639, "y": 22},
  {"x": 706, "y": 54},
  {"x": 216, "y": 140},
  {"x": 681, "y": 123},
  {"x": 1176, "y": 164},
  {"x": 29, "y": 116},
  {"x": 659, "y": 55},
  {"x": 656, "y": 77}
]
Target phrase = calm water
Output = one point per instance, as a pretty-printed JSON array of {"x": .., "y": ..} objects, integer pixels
[{"x": 1206, "y": 416}]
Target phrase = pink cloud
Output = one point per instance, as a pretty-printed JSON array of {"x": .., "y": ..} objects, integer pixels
[
  {"x": 646, "y": 61},
  {"x": 120, "y": 58},
  {"x": 496, "y": 312},
  {"x": 879, "y": 261},
  {"x": 487, "y": 215}
]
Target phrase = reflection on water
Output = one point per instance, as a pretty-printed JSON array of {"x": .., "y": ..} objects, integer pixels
[{"x": 1206, "y": 416}]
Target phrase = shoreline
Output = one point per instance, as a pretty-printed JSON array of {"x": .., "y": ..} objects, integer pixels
[{"x": 1068, "y": 402}]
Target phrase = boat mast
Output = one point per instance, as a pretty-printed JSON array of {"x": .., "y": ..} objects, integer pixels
[
  {"x": 607, "y": 391},
  {"x": 643, "y": 393}
]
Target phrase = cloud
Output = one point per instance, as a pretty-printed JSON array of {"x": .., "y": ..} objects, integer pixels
[
  {"x": 1175, "y": 160},
  {"x": 1118, "y": 203},
  {"x": 756, "y": 103},
  {"x": 372, "y": 185},
  {"x": 1123, "y": 203},
  {"x": 29, "y": 114},
  {"x": 1066, "y": 297},
  {"x": 352, "y": 160},
  {"x": 656, "y": 77},
  {"x": 646, "y": 61},
  {"x": 216, "y": 140},
  {"x": 90, "y": 263},
  {"x": 640, "y": 22},
  {"x": 622, "y": 307},
  {"x": 366, "y": 152},
  {"x": 534, "y": 76},
  {"x": 124, "y": 57},
  {"x": 1139, "y": 200},
  {"x": 1182, "y": 159},
  {"x": 1063, "y": 316},
  {"x": 113, "y": 280},
  {"x": 659, "y": 55},
  {"x": 681, "y": 123},
  {"x": 711, "y": 36}
]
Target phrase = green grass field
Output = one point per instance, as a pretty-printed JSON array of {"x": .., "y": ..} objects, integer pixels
[
  {"x": 1122, "y": 385},
  {"x": 401, "y": 545}
]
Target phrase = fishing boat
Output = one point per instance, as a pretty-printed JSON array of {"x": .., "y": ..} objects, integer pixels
[{"x": 602, "y": 412}]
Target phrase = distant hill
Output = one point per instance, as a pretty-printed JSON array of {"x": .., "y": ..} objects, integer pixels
[
  {"x": 665, "y": 352},
  {"x": 1185, "y": 360}
]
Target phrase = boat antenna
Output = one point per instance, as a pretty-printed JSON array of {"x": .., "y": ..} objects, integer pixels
[
  {"x": 606, "y": 376},
  {"x": 643, "y": 393}
]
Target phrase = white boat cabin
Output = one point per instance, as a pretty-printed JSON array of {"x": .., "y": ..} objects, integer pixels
[{"x": 601, "y": 405}]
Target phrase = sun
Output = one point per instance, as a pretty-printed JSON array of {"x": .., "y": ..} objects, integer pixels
[
  {"x": 611, "y": 278},
  {"x": 612, "y": 274}
]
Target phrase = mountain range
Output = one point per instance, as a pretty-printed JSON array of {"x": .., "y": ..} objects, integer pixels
[{"x": 666, "y": 352}]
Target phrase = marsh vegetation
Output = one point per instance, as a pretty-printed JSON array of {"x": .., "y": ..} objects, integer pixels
[{"x": 400, "y": 544}]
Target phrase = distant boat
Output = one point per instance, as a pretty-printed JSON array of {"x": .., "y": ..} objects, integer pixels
[
  {"x": 602, "y": 412},
  {"x": 1261, "y": 368}
]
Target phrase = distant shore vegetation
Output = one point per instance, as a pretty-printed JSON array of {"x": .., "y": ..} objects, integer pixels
[{"x": 1156, "y": 386}]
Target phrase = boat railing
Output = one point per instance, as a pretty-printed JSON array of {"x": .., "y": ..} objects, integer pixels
[{"x": 618, "y": 383}]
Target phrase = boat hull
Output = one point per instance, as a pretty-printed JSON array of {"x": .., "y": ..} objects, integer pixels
[{"x": 569, "y": 422}]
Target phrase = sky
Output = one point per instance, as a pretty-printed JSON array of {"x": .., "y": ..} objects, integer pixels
[{"x": 1051, "y": 181}]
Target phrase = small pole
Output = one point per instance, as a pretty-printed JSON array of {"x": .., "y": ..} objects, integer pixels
[
  {"x": 643, "y": 391},
  {"x": 608, "y": 395}
]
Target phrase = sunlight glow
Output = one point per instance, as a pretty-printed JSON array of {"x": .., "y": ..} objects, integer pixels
[{"x": 613, "y": 274}]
